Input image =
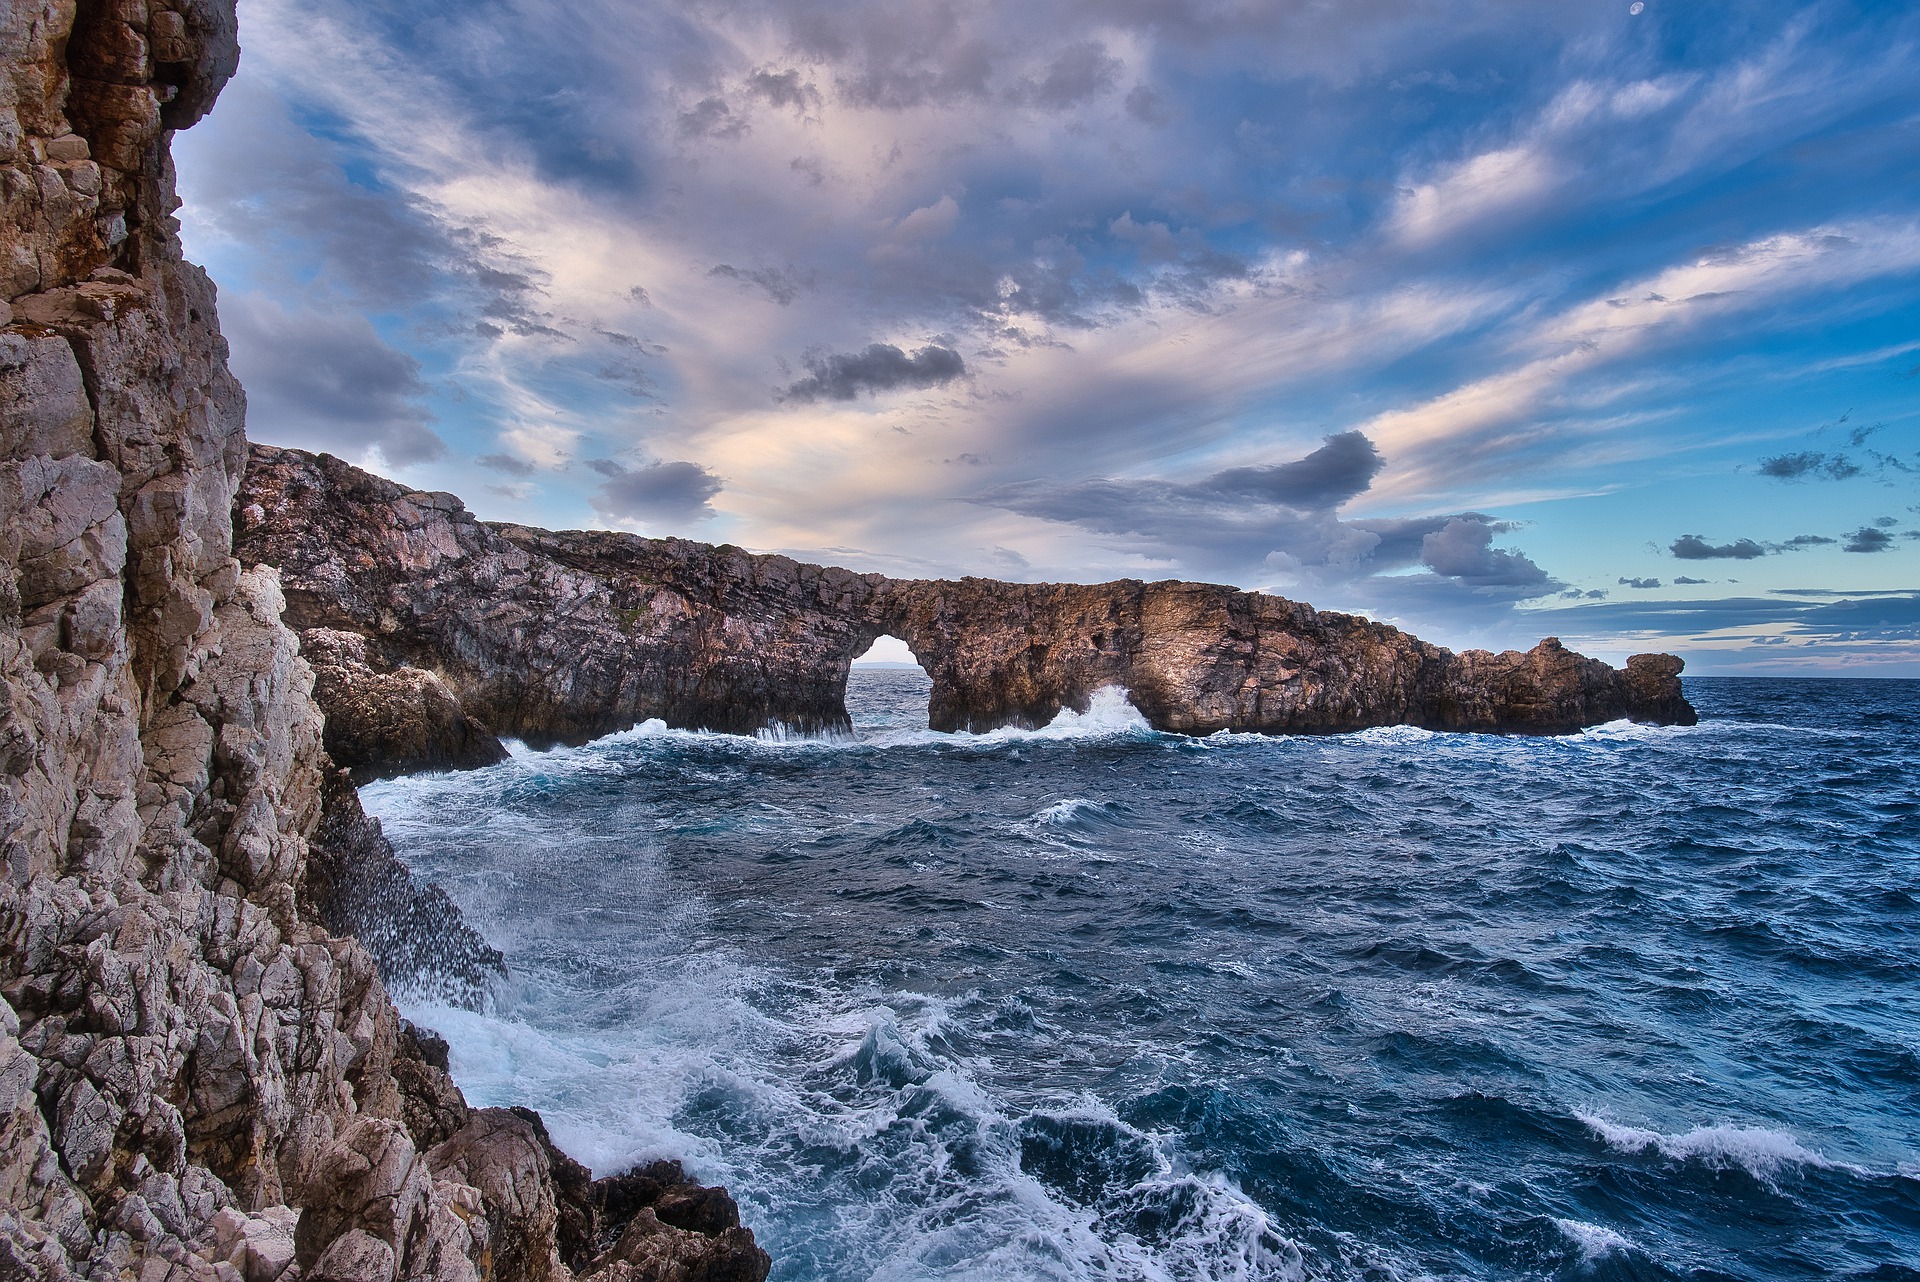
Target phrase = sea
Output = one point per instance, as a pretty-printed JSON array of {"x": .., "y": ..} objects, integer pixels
[{"x": 1095, "y": 1002}]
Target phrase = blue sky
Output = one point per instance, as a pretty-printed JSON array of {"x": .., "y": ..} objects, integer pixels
[{"x": 1494, "y": 320}]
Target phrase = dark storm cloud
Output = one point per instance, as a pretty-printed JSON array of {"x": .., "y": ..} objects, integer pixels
[
  {"x": 329, "y": 381},
  {"x": 658, "y": 493},
  {"x": 882, "y": 367},
  {"x": 1692, "y": 547}
]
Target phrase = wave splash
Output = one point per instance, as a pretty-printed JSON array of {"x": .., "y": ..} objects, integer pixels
[
  {"x": 886, "y": 1156},
  {"x": 1759, "y": 1151}
]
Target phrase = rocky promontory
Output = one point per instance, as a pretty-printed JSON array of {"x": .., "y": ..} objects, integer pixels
[
  {"x": 433, "y": 632},
  {"x": 201, "y": 1074}
]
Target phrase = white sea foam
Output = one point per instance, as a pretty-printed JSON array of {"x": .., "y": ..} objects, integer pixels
[
  {"x": 1110, "y": 714},
  {"x": 1760, "y": 1151},
  {"x": 849, "y": 1129},
  {"x": 1071, "y": 812},
  {"x": 1595, "y": 1242}
]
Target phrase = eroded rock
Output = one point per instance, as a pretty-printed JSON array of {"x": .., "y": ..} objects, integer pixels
[
  {"x": 198, "y": 1080},
  {"x": 565, "y": 635}
]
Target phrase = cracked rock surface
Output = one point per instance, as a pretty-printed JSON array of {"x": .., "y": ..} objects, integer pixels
[{"x": 198, "y": 1078}]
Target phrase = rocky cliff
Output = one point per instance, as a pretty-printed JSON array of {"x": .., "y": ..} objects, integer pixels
[
  {"x": 433, "y": 631},
  {"x": 197, "y": 1078}
]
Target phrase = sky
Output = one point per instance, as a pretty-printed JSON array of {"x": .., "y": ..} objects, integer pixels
[{"x": 1490, "y": 319}]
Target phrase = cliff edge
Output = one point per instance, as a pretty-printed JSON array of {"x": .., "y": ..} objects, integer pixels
[
  {"x": 198, "y": 1080},
  {"x": 433, "y": 632}
]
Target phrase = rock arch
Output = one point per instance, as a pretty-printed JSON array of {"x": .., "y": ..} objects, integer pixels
[{"x": 561, "y": 636}]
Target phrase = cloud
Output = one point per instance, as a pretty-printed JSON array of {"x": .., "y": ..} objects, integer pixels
[
  {"x": 1651, "y": 583},
  {"x": 784, "y": 89},
  {"x": 1463, "y": 549},
  {"x": 655, "y": 494},
  {"x": 328, "y": 380},
  {"x": 1807, "y": 541},
  {"x": 779, "y": 284},
  {"x": 1688, "y": 581},
  {"x": 712, "y": 118},
  {"x": 1340, "y": 469},
  {"x": 1081, "y": 72},
  {"x": 1283, "y": 517},
  {"x": 1692, "y": 547},
  {"x": 1156, "y": 242},
  {"x": 1868, "y": 539},
  {"x": 1794, "y": 467},
  {"x": 309, "y": 201},
  {"x": 882, "y": 367},
  {"x": 511, "y": 464}
]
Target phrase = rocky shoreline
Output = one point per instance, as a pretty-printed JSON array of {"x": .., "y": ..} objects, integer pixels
[
  {"x": 201, "y": 1074},
  {"x": 433, "y": 632}
]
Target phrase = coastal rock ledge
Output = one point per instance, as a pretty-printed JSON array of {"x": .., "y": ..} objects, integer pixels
[
  {"x": 433, "y": 632},
  {"x": 201, "y": 1077}
]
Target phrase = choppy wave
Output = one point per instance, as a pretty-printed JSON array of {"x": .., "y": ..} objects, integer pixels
[
  {"x": 1593, "y": 1241},
  {"x": 1759, "y": 1150},
  {"x": 1094, "y": 1002}
]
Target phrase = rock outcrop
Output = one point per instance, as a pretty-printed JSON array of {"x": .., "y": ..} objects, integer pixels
[
  {"x": 198, "y": 1080},
  {"x": 560, "y": 636}
]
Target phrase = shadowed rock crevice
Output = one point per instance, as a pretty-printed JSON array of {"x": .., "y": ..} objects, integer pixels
[{"x": 559, "y": 636}]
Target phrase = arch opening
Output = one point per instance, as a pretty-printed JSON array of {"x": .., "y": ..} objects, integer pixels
[{"x": 887, "y": 689}]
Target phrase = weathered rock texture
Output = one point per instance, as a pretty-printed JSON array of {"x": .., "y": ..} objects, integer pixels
[
  {"x": 197, "y": 1079},
  {"x": 453, "y": 625}
]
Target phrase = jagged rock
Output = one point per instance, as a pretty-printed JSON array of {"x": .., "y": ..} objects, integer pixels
[
  {"x": 197, "y": 1080},
  {"x": 651, "y": 1223},
  {"x": 498, "y": 1153},
  {"x": 566, "y": 635},
  {"x": 385, "y": 723}
]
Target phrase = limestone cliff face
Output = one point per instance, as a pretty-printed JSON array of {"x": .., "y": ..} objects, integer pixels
[
  {"x": 453, "y": 627},
  {"x": 197, "y": 1080}
]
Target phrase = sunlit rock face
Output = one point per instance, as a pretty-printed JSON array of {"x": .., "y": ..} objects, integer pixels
[
  {"x": 196, "y": 1079},
  {"x": 560, "y": 636}
]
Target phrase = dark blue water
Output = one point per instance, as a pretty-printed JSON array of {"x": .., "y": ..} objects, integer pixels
[{"x": 1095, "y": 1002}]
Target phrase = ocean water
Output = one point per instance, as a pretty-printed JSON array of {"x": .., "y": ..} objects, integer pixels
[{"x": 1093, "y": 1002}]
